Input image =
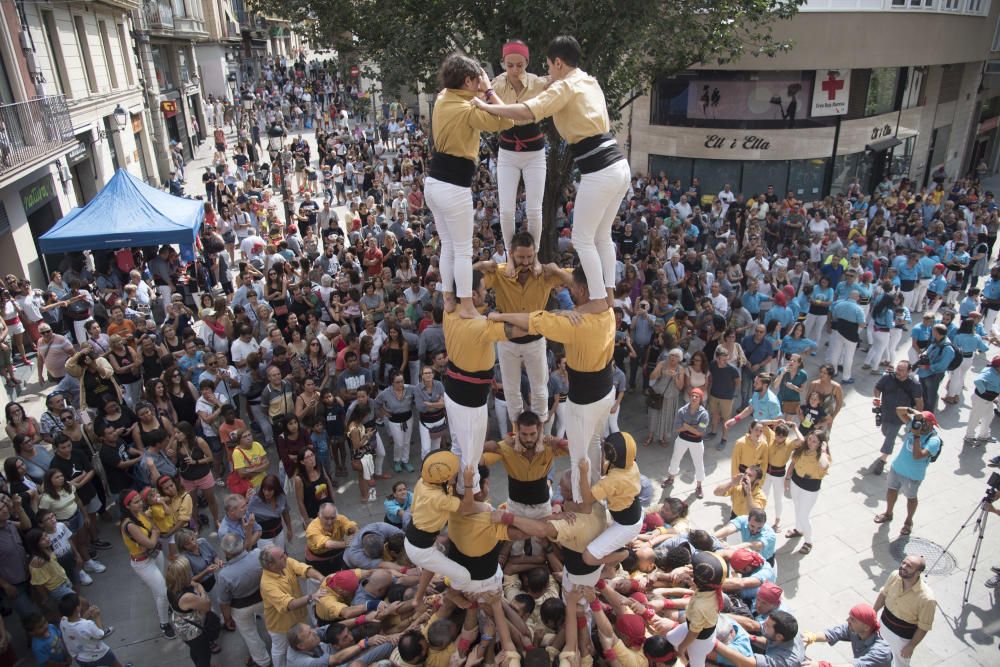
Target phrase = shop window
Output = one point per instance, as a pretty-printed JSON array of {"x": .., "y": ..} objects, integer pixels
[
  {"x": 883, "y": 86},
  {"x": 162, "y": 67},
  {"x": 83, "y": 41},
  {"x": 758, "y": 174},
  {"x": 805, "y": 178},
  {"x": 182, "y": 65},
  {"x": 715, "y": 174}
]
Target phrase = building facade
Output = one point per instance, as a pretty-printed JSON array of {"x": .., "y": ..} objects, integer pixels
[
  {"x": 221, "y": 56},
  {"x": 871, "y": 88},
  {"x": 73, "y": 113}
]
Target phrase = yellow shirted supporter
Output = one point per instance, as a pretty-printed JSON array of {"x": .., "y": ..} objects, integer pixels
[
  {"x": 330, "y": 606},
  {"x": 278, "y": 590},
  {"x": 619, "y": 488},
  {"x": 470, "y": 343},
  {"x": 475, "y": 534},
  {"x": 576, "y": 105},
  {"x": 504, "y": 89},
  {"x": 513, "y": 297},
  {"x": 702, "y": 611},
  {"x": 589, "y": 345},
  {"x": 432, "y": 506},
  {"x": 748, "y": 453},
  {"x": 457, "y": 124},
  {"x": 182, "y": 507},
  {"x": 739, "y": 502},
  {"x": 807, "y": 466},
  {"x": 778, "y": 455},
  {"x": 629, "y": 657},
  {"x": 316, "y": 537},
  {"x": 527, "y": 479},
  {"x": 577, "y": 534},
  {"x": 437, "y": 657},
  {"x": 135, "y": 550}
]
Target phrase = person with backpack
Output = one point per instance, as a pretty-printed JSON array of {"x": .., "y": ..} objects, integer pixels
[
  {"x": 921, "y": 447},
  {"x": 940, "y": 356}
]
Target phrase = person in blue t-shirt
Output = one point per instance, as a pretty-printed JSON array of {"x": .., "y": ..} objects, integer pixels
[
  {"x": 47, "y": 644},
  {"x": 939, "y": 354},
  {"x": 921, "y": 445},
  {"x": 754, "y": 533}
]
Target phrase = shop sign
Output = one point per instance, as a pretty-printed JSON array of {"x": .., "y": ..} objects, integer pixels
[
  {"x": 37, "y": 195},
  {"x": 831, "y": 92},
  {"x": 136, "y": 123},
  {"x": 355, "y": 71},
  {"x": 77, "y": 155},
  {"x": 169, "y": 108}
]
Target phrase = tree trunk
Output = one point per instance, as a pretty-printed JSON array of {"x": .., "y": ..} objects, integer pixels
[{"x": 558, "y": 168}]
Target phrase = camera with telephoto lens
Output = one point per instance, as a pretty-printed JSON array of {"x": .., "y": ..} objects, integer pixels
[
  {"x": 923, "y": 361},
  {"x": 992, "y": 488},
  {"x": 877, "y": 411}
]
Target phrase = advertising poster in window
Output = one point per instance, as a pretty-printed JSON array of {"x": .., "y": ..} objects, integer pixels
[{"x": 782, "y": 99}]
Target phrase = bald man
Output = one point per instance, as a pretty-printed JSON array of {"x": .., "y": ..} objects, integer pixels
[{"x": 907, "y": 605}]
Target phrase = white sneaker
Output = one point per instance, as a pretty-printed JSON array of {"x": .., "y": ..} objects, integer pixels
[
  {"x": 85, "y": 579},
  {"x": 93, "y": 566}
]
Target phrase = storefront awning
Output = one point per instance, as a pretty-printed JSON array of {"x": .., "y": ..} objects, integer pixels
[{"x": 883, "y": 144}]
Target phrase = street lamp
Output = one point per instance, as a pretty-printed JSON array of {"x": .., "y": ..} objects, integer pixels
[
  {"x": 121, "y": 117},
  {"x": 275, "y": 142}
]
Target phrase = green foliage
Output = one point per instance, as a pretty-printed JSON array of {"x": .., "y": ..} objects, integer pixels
[{"x": 627, "y": 44}]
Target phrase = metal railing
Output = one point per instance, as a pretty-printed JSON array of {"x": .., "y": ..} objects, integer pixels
[
  {"x": 29, "y": 130},
  {"x": 158, "y": 13}
]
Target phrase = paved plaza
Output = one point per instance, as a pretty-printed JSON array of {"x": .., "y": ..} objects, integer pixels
[{"x": 851, "y": 558}]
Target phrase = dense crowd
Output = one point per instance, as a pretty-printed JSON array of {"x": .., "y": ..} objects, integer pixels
[{"x": 294, "y": 348}]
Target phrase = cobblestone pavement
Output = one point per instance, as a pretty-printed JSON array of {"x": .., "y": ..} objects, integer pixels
[{"x": 851, "y": 558}]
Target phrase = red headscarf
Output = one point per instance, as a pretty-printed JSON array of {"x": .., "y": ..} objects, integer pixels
[
  {"x": 632, "y": 629},
  {"x": 866, "y": 614}
]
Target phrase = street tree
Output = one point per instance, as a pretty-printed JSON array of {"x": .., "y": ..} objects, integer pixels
[{"x": 627, "y": 45}]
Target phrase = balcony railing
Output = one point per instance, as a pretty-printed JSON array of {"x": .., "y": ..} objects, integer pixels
[
  {"x": 159, "y": 14},
  {"x": 29, "y": 130}
]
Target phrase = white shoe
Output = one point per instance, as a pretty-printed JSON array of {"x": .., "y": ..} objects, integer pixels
[
  {"x": 93, "y": 566},
  {"x": 85, "y": 579}
]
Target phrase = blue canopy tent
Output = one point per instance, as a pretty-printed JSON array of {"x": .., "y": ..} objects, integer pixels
[{"x": 126, "y": 213}]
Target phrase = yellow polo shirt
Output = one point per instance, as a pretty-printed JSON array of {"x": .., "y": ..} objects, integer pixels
[
  {"x": 504, "y": 90},
  {"x": 629, "y": 657},
  {"x": 589, "y": 346},
  {"x": 331, "y": 606},
  {"x": 513, "y": 297},
  {"x": 470, "y": 342},
  {"x": 457, "y": 124},
  {"x": 475, "y": 534},
  {"x": 916, "y": 605},
  {"x": 702, "y": 611},
  {"x": 619, "y": 488},
  {"x": 576, "y": 105},
  {"x": 278, "y": 591},
  {"x": 316, "y": 537},
  {"x": 747, "y": 453},
  {"x": 432, "y": 507}
]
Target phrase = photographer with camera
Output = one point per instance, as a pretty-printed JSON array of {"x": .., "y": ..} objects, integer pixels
[
  {"x": 932, "y": 365},
  {"x": 921, "y": 447},
  {"x": 892, "y": 391}
]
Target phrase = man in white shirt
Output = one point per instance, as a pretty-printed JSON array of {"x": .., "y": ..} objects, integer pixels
[
  {"x": 758, "y": 264},
  {"x": 674, "y": 270},
  {"x": 683, "y": 208},
  {"x": 719, "y": 302},
  {"x": 727, "y": 197},
  {"x": 243, "y": 346}
]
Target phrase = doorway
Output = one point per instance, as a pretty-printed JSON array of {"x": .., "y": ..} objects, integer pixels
[{"x": 40, "y": 222}]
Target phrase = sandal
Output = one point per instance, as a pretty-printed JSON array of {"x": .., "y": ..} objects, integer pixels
[
  {"x": 884, "y": 517},
  {"x": 669, "y": 481},
  {"x": 647, "y": 442},
  {"x": 792, "y": 532},
  {"x": 805, "y": 549},
  {"x": 776, "y": 525},
  {"x": 907, "y": 528}
]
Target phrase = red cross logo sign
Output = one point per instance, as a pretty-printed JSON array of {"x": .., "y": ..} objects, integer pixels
[{"x": 832, "y": 85}]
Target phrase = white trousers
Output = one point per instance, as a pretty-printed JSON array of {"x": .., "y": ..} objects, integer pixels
[
  {"x": 880, "y": 344},
  {"x": 990, "y": 320},
  {"x": 532, "y": 356},
  {"x": 428, "y": 440},
  {"x": 612, "y": 425},
  {"x": 910, "y": 298},
  {"x": 479, "y": 586},
  {"x": 583, "y": 430},
  {"x": 432, "y": 559},
  {"x": 697, "y": 451},
  {"x": 400, "y": 440},
  {"x": 452, "y": 209},
  {"x": 597, "y": 201},
  {"x": 775, "y": 487},
  {"x": 511, "y": 167},
  {"x": 276, "y": 541},
  {"x": 151, "y": 573},
  {"x": 980, "y": 417},
  {"x": 468, "y": 433},
  {"x": 697, "y": 650},
  {"x": 539, "y": 511},
  {"x": 246, "y": 624},
  {"x": 803, "y": 502},
  {"x": 921, "y": 290},
  {"x": 956, "y": 383},
  {"x": 814, "y": 327},
  {"x": 279, "y": 648},
  {"x": 896, "y": 645},
  {"x": 501, "y": 412},
  {"x": 557, "y": 420},
  {"x": 615, "y": 537},
  {"x": 895, "y": 335},
  {"x": 842, "y": 353}
]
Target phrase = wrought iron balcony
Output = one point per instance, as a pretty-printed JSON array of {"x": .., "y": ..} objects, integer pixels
[
  {"x": 159, "y": 14},
  {"x": 31, "y": 130}
]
